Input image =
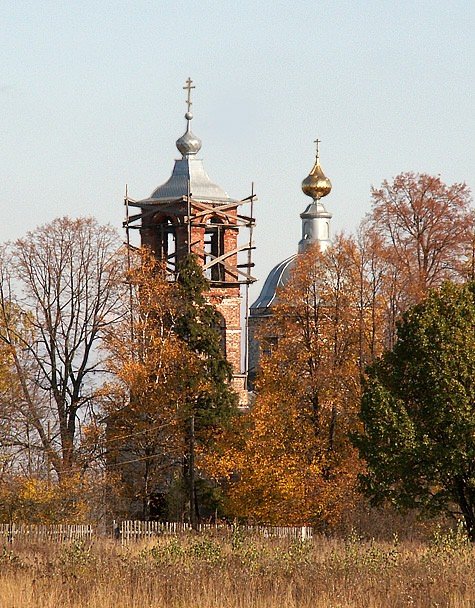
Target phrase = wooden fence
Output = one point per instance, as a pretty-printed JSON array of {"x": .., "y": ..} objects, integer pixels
[
  {"x": 129, "y": 531},
  {"x": 37, "y": 533}
]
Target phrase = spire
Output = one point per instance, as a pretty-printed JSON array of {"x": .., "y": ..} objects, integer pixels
[
  {"x": 316, "y": 184},
  {"x": 188, "y": 144},
  {"x": 316, "y": 231}
]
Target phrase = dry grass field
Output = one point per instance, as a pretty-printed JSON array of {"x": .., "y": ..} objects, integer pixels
[{"x": 240, "y": 572}]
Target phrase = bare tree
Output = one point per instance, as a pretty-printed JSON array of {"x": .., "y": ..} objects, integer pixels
[{"x": 59, "y": 291}]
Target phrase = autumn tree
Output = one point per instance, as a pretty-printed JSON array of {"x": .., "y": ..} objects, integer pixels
[
  {"x": 377, "y": 297},
  {"x": 213, "y": 402},
  {"x": 59, "y": 291},
  {"x": 12, "y": 430},
  {"x": 33, "y": 499},
  {"x": 423, "y": 231},
  {"x": 293, "y": 460},
  {"x": 418, "y": 410},
  {"x": 172, "y": 384},
  {"x": 145, "y": 403}
]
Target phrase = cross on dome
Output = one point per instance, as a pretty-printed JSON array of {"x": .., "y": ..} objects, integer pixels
[
  {"x": 316, "y": 184},
  {"x": 317, "y": 142},
  {"x": 188, "y": 86},
  {"x": 188, "y": 144}
]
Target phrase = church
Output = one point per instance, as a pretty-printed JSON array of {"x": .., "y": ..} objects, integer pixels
[{"x": 189, "y": 213}]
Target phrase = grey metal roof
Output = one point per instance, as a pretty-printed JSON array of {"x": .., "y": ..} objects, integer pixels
[
  {"x": 278, "y": 277},
  {"x": 201, "y": 187}
]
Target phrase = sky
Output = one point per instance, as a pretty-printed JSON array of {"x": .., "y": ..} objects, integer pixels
[{"x": 91, "y": 99}]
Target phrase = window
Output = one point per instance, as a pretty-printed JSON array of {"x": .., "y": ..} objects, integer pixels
[
  {"x": 214, "y": 248},
  {"x": 167, "y": 243}
]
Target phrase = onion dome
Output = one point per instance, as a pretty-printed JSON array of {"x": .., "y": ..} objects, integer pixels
[
  {"x": 188, "y": 144},
  {"x": 316, "y": 228},
  {"x": 316, "y": 184}
]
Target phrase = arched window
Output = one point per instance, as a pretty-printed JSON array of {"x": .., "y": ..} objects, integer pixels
[
  {"x": 214, "y": 248},
  {"x": 167, "y": 242}
]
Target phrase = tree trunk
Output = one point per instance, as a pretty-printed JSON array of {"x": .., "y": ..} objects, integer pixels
[
  {"x": 189, "y": 471},
  {"x": 466, "y": 507},
  {"x": 192, "y": 473}
]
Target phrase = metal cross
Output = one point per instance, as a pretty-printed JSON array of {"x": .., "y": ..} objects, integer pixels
[
  {"x": 188, "y": 87},
  {"x": 317, "y": 141}
]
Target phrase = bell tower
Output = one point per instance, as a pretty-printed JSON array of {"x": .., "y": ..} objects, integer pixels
[{"x": 191, "y": 214}]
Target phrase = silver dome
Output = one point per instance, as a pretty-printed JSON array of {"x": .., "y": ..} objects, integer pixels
[
  {"x": 188, "y": 144},
  {"x": 278, "y": 277}
]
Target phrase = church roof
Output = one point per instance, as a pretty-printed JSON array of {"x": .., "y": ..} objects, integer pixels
[
  {"x": 315, "y": 230},
  {"x": 190, "y": 170},
  {"x": 277, "y": 278}
]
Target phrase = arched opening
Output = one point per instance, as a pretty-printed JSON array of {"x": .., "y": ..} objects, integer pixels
[
  {"x": 166, "y": 241},
  {"x": 214, "y": 248}
]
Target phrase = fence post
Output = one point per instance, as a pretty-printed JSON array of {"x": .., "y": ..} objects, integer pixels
[{"x": 115, "y": 530}]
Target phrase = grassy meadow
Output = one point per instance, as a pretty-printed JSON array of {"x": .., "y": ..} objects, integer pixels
[{"x": 239, "y": 571}]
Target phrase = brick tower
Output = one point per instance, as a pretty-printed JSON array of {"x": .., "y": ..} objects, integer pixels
[{"x": 191, "y": 214}]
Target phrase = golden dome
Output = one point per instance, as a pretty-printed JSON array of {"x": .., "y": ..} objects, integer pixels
[{"x": 316, "y": 184}]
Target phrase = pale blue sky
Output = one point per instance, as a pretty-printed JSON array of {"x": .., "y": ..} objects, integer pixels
[{"x": 91, "y": 99}]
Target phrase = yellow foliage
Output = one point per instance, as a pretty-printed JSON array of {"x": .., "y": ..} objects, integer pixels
[{"x": 26, "y": 499}]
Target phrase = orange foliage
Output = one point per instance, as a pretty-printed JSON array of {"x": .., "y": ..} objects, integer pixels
[
  {"x": 156, "y": 380},
  {"x": 291, "y": 462}
]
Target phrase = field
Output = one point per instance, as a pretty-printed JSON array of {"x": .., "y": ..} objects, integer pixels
[{"x": 240, "y": 571}]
